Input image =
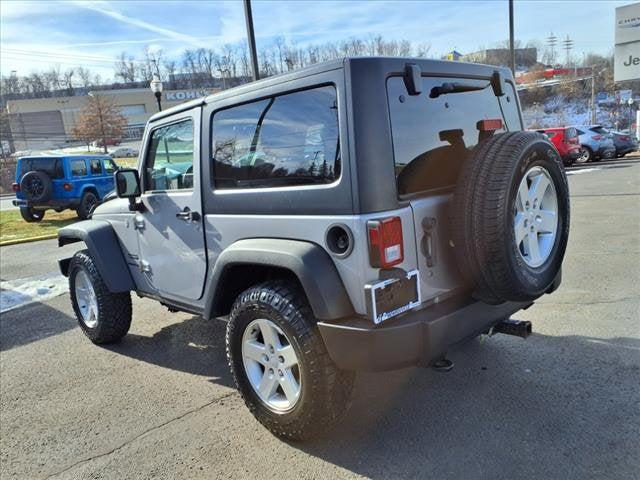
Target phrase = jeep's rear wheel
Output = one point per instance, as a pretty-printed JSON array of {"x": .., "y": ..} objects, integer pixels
[
  {"x": 280, "y": 364},
  {"x": 511, "y": 217},
  {"x": 103, "y": 316},
  {"x": 30, "y": 215}
]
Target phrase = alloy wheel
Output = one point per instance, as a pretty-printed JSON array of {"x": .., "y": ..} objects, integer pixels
[
  {"x": 271, "y": 365},
  {"x": 536, "y": 217}
]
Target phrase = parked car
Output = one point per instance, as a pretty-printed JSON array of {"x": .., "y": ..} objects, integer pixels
[
  {"x": 124, "y": 152},
  {"x": 363, "y": 214},
  {"x": 566, "y": 141},
  {"x": 108, "y": 142},
  {"x": 78, "y": 182},
  {"x": 624, "y": 143},
  {"x": 596, "y": 143}
]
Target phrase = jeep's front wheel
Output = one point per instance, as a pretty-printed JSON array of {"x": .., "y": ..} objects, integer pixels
[
  {"x": 103, "y": 316},
  {"x": 280, "y": 364}
]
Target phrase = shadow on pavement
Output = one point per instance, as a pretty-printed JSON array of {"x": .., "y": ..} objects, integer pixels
[
  {"x": 550, "y": 407},
  {"x": 31, "y": 323},
  {"x": 194, "y": 346}
]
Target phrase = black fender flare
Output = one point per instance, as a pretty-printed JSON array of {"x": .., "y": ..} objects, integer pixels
[
  {"x": 104, "y": 247},
  {"x": 309, "y": 262}
]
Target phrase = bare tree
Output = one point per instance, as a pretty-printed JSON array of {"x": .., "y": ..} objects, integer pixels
[{"x": 100, "y": 120}]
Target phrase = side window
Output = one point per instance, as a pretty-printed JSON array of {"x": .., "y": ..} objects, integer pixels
[
  {"x": 110, "y": 166},
  {"x": 78, "y": 168},
  {"x": 169, "y": 163},
  {"x": 290, "y": 139},
  {"x": 96, "y": 167},
  {"x": 579, "y": 132}
]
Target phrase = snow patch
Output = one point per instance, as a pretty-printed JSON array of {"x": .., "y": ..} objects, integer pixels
[
  {"x": 582, "y": 170},
  {"x": 16, "y": 293}
]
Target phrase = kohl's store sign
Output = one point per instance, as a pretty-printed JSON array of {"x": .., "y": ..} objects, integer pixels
[{"x": 183, "y": 95}]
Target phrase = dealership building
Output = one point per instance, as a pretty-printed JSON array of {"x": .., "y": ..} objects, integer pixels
[{"x": 47, "y": 123}]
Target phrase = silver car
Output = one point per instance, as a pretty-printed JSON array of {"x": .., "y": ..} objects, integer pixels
[{"x": 596, "y": 143}]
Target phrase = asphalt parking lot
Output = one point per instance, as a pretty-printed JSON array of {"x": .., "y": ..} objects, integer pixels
[{"x": 563, "y": 404}]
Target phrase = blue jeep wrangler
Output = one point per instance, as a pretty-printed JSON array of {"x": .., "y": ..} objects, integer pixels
[{"x": 79, "y": 182}]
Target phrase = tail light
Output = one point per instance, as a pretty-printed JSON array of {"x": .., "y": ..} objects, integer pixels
[
  {"x": 386, "y": 246},
  {"x": 597, "y": 137},
  {"x": 67, "y": 187},
  {"x": 15, "y": 187},
  {"x": 624, "y": 138},
  {"x": 489, "y": 125}
]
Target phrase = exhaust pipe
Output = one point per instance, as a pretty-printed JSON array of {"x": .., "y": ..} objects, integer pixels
[{"x": 518, "y": 328}]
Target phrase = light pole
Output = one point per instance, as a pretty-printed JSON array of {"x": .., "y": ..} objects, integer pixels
[
  {"x": 251, "y": 40},
  {"x": 630, "y": 103},
  {"x": 156, "y": 88}
]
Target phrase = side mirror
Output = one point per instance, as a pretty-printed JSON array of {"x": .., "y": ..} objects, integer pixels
[
  {"x": 128, "y": 186},
  {"x": 127, "y": 183}
]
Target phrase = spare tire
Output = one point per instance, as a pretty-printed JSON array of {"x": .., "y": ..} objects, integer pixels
[
  {"x": 36, "y": 186},
  {"x": 510, "y": 222}
]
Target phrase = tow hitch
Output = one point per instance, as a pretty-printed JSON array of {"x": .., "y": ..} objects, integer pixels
[{"x": 518, "y": 328}]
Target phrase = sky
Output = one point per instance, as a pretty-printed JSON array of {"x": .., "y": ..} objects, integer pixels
[{"x": 37, "y": 35}]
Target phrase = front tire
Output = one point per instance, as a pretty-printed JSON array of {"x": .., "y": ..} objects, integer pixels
[
  {"x": 87, "y": 204},
  {"x": 103, "y": 316},
  {"x": 30, "y": 215},
  {"x": 280, "y": 364}
]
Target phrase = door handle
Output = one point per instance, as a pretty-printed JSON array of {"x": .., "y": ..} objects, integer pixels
[{"x": 187, "y": 215}]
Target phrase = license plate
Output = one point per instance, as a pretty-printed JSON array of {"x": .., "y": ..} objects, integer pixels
[{"x": 392, "y": 297}]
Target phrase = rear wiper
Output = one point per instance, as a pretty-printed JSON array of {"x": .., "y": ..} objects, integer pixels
[{"x": 451, "y": 87}]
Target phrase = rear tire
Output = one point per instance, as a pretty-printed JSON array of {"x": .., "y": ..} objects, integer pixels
[
  {"x": 30, "y": 215},
  {"x": 88, "y": 202},
  {"x": 104, "y": 317},
  {"x": 511, "y": 217},
  {"x": 323, "y": 391}
]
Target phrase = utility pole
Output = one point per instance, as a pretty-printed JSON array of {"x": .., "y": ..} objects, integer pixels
[
  {"x": 551, "y": 41},
  {"x": 593, "y": 95},
  {"x": 568, "y": 45},
  {"x": 512, "y": 49},
  {"x": 251, "y": 38}
]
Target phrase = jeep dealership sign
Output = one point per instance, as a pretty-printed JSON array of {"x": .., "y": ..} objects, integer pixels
[{"x": 627, "y": 53}]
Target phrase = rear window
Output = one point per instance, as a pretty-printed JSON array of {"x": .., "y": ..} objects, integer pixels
[
  {"x": 291, "y": 139},
  {"x": 50, "y": 166},
  {"x": 599, "y": 130},
  {"x": 571, "y": 133},
  {"x": 433, "y": 136}
]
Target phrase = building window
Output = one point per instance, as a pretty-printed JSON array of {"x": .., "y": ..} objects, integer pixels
[{"x": 130, "y": 110}]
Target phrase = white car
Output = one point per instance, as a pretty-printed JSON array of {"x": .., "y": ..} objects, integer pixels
[{"x": 124, "y": 152}]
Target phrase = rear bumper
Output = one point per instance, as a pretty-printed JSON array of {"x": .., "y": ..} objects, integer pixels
[
  {"x": 63, "y": 203},
  {"x": 416, "y": 338}
]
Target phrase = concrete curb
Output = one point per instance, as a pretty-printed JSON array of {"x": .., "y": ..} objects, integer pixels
[{"x": 29, "y": 239}]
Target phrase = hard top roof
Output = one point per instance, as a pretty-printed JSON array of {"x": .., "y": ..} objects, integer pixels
[{"x": 388, "y": 64}]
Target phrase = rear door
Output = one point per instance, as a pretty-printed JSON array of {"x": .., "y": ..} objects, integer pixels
[
  {"x": 172, "y": 248},
  {"x": 432, "y": 137}
]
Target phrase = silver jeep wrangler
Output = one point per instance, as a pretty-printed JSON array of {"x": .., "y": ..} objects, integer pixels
[{"x": 357, "y": 215}]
